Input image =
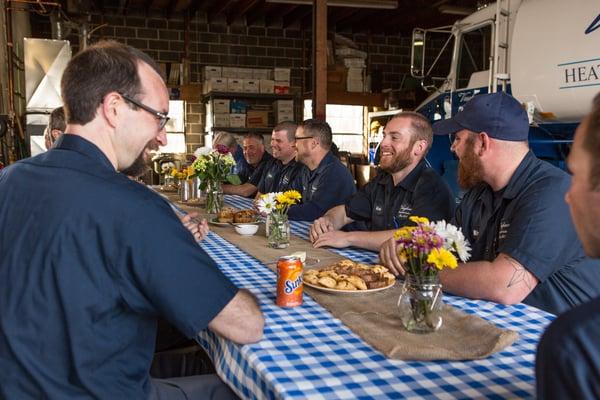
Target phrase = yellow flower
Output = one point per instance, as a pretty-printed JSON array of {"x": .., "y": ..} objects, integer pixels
[
  {"x": 404, "y": 233},
  {"x": 293, "y": 195},
  {"x": 442, "y": 258},
  {"x": 174, "y": 172},
  {"x": 419, "y": 220}
]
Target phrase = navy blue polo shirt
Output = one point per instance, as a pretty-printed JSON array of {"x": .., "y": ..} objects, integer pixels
[
  {"x": 90, "y": 259},
  {"x": 329, "y": 185},
  {"x": 383, "y": 205},
  {"x": 568, "y": 357},
  {"x": 253, "y": 174},
  {"x": 240, "y": 161},
  {"x": 530, "y": 221},
  {"x": 279, "y": 177}
]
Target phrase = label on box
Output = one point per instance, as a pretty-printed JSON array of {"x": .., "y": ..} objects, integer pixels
[
  {"x": 221, "y": 106},
  {"x": 251, "y": 86},
  {"x": 284, "y": 116},
  {"x": 237, "y": 120},
  {"x": 235, "y": 85},
  {"x": 257, "y": 119},
  {"x": 215, "y": 85},
  {"x": 281, "y": 89}
]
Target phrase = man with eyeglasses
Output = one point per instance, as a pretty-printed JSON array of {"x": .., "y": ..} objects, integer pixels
[
  {"x": 404, "y": 187},
  {"x": 325, "y": 182},
  {"x": 82, "y": 286},
  {"x": 524, "y": 245}
]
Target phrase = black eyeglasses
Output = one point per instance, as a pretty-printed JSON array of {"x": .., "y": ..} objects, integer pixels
[
  {"x": 160, "y": 116},
  {"x": 303, "y": 137}
]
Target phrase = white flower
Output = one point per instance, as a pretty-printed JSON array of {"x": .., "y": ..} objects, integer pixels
[
  {"x": 454, "y": 240},
  {"x": 166, "y": 167},
  {"x": 266, "y": 203},
  {"x": 202, "y": 151}
]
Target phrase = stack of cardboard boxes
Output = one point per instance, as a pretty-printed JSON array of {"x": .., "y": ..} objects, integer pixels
[{"x": 246, "y": 80}]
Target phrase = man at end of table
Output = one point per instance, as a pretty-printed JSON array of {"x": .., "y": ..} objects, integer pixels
[
  {"x": 568, "y": 356},
  {"x": 405, "y": 186},
  {"x": 257, "y": 159}
]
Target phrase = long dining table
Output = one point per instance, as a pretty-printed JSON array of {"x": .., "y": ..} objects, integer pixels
[{"x": 306, "y": 353}]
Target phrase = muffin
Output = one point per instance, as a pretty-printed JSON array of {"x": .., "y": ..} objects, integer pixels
[
  {"x": 226, "y": 215},
  {"x": 244, "y": 216}
]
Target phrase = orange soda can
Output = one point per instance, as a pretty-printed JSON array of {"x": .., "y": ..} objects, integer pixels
[{"x": 289, "y": 281}]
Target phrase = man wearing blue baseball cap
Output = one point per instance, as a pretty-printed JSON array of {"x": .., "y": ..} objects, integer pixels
[{"x": 525, "y": 248}]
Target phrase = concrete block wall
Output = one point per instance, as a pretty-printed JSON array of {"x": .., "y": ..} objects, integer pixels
[{"x": 216, "y": 43}]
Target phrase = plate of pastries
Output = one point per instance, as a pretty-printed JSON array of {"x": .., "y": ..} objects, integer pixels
[
  {"x": 349, "y": 277},
  {"x": 230, "y": 215}
]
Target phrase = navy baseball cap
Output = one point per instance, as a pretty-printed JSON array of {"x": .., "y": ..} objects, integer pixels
[{"x": 499, "y": 115}]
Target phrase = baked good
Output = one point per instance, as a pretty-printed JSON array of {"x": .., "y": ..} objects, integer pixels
[
  {"x": 349, "y": 275},
  {"x": 226, "y": 215},
  {"x": 244, "y": 216}
]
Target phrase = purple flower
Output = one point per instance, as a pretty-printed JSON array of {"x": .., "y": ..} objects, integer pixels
[{"x": 222, "y": 149}]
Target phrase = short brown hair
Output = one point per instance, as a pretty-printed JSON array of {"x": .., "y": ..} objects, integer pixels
[
  {"x": 319, "y": 129},
  {"x": 290, "y": 129},
  {"x": 591, "y": 142},
  {"x": 105, "y": 67},
  {"x": 420, "y": 126},
  {"x": 57, "y": 120}
]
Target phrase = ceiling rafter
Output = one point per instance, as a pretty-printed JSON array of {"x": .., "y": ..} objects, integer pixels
[
  {"x": 240, "y": 10},
  {"x": 296, "y": 15}
]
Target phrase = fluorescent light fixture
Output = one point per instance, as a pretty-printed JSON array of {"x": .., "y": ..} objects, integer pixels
[
  {"x": 455, "y": 10},
  {"x": 382, "y": 4}
]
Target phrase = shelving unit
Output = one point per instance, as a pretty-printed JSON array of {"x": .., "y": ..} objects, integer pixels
[{"x": 253, "y": 98}]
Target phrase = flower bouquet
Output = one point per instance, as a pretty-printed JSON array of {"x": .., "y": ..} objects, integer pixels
[
  {"x": 276, "y": 206},
  {"x": 214, "y": 167},
  {"x": 424, "y": 250}
]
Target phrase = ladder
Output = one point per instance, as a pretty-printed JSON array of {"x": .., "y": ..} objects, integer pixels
[{"x": 499, "y": 68}]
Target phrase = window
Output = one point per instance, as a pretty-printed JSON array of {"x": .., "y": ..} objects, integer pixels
[
  {"x": 346, "y": 124},
  {"x": 473, "y": 56},
  {"x": 175, "y": 128}
]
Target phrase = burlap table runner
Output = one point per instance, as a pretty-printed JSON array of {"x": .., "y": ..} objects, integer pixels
[{"x": 374, "y": 316}]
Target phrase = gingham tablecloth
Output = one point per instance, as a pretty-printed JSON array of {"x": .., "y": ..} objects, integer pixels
[{"x": 306, "y": 353}]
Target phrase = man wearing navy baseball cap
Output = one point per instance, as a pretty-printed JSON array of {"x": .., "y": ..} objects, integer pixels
[{"x": 525, "y": 248}]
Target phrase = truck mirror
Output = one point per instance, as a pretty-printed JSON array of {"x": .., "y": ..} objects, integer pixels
[
  {"x": 427, "y": 84},
  {"x": 417, "y": 54}
]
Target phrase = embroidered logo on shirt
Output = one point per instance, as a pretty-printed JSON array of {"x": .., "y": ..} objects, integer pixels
[
  {"x": 503, "y": 230},
  {"x": 475, "y": 233},
  {"x": 378, "y": 209},
  {"x": 404, "y": 211}
]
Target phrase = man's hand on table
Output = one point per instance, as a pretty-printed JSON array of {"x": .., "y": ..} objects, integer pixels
[
  {"x": 198, "y": 229},
  {"x": 319, "y": 227},
  {"x": 337, "y": 239},
  {"x": 389, "y": 257}
]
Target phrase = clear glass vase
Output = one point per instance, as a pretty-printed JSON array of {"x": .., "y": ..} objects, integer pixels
[
  {"x": 278, "y": 231},
  {"x": 185, "y": 190},
  {"x": 214, "y": 197},
  {"x": 420, "y": 303}
]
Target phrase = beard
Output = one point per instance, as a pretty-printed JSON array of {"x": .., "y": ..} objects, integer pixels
[
  {"x": 401, "y": 161},
  {"x": 469, "y": 169},
  {"x": 141, "y": 164}
]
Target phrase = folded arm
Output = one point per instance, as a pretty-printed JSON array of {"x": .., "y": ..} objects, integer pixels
[{"x": 241, "y": 321}]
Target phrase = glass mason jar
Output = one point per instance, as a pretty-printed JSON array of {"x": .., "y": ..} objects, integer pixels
[
  {"x": 214, "y": 197},
  {"x": 168, "y": 182},
  {"x": 185, "y": 190},
  {"x": 195, "y": 188},
  {"x": 420, "y": 303},
  {"x": 278, "y": 231}
]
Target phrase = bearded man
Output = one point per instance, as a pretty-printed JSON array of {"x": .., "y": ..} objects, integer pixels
[
  {"x": 405, "y": 187},
  {"x": 525, "y": 248}
]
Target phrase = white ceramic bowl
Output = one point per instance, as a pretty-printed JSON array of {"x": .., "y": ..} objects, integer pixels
[{"x": 246, "y": 229}]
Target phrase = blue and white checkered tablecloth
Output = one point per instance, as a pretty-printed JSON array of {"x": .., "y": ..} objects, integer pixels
[{"x": 306, "y": 353}]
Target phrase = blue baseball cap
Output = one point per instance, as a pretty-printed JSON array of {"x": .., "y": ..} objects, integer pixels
[{"x": 499, "y": 115}]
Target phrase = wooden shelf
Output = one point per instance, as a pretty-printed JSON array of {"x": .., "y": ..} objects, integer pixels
[{"x": 273, "y": 96}]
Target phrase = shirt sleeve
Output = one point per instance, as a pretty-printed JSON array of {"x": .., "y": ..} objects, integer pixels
[
  {"x": 169, "y": 274},
  {"x": 332, "y": 189},
  {"x": 539, "y": 233}
]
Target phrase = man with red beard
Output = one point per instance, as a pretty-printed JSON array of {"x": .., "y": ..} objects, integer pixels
[
  {"x": 405, "y": 187},
  {"x": 525, "y": 248}
]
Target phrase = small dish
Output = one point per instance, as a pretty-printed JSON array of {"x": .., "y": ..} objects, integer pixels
[{"x": 246, "y": 229}]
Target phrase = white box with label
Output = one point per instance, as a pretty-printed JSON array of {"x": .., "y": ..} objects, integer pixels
[
  {"x": 251, "y": 86},
  {"x": 237, "y": 120},
  {"x": 261, "y": 73},
  {"x": 211, "y": 71},
  {"x": 281, "y": 74},
  {"x": 221, "y": 120},
  {"x": 229, "y": 72},
  {"x": 215, "y": 85},
  {"x": 235, "y": 85},
  {"x": 266, "y": 85},
  {"x": 281, "y": 116},
  {"x": 221, "y": 106},
  {"x": 283, "y": 105}
]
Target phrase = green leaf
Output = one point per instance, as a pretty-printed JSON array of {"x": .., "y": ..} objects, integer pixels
[{"x": 233, "y": 179}]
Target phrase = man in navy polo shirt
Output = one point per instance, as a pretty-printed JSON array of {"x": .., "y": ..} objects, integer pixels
[
  {"x": 568, "y": 357},
  {"x": 283, "y": 170},
  {"x": 525, "y": 248},
  {"x": 257, "y": 158},
  {"x": 404, "y": 187},
  {"x": 81, "y": 287},
  {"x": 325, "y": 182}
]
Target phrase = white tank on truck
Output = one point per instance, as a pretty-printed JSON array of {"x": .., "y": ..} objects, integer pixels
[{"x": 546, "y": 53}]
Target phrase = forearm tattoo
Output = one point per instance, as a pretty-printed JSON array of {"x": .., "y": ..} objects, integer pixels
[{"x": 520, "y": 274}]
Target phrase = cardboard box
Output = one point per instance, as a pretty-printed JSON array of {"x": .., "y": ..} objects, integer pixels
[
  {"x": 266, "y": 86},
  {"x": 245, "y": 73},
  {"x": 221, "y": 120},
  {"x": 235, "y": 85},
  {"x": 215, "y": 85},
  {"x": 210, "y": 71},
  {"x": 284, "y": 116},
  {"x": 257, "y": 119},
  {"x": 282, "y": 83},
  {"x": 229, "y": 72},
  {"x": 261, "y": 73},
  {"x": 221, "y": 106},
  {"x": 284, "y": 106},
  {"x": 281, "y": 89},
  {"x": 281, "y": 74},
  {"x": 237, "y": 120},
  {"x": 251, "y": 86}
]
